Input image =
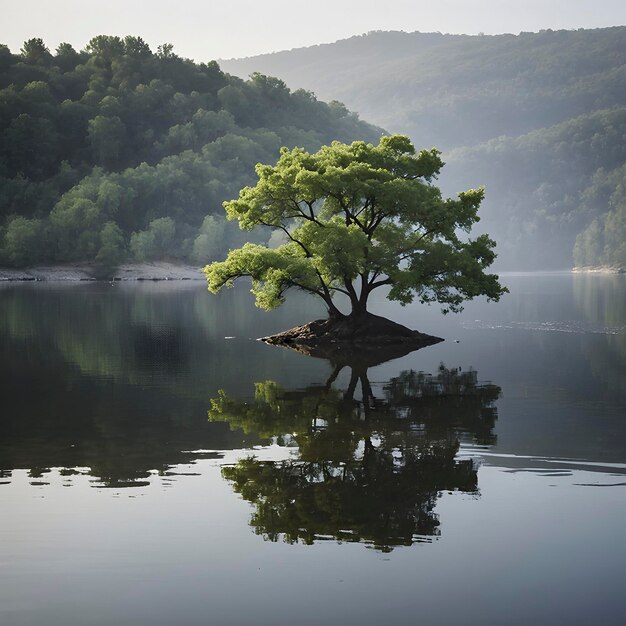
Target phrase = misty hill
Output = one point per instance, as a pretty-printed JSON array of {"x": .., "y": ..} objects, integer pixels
[
  {"x": 119, "y": 153},
  {"x": 553, "y": 193},
  {"x": 539, "y": 118}
]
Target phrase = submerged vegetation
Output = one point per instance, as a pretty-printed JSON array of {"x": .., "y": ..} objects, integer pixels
[{"x": 118, "y": 153}]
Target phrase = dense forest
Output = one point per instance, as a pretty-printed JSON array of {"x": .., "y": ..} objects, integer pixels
[
  {"x": 554, "y": 191},
  {"x": 117, "y": 153},
  {"x": 538, "y": 118}
]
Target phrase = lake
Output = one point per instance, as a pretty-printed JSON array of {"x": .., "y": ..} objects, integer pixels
[{"x": 160, "y": 466}]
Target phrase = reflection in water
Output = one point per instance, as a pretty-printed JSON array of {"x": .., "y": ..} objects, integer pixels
[
  {"x": 159, "y": 344},
  {"x": 107, "y": 379},
  {"x": 602, "y": 301},
  {"x": 116, "y": 379},
  {"x": 601, "y": 298},
  {"x": 372, "y": 459},
  {"x": 78, "y": 394}
]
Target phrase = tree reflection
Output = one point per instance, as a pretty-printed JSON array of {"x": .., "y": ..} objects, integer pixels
[{"x": 372, "y": 459}]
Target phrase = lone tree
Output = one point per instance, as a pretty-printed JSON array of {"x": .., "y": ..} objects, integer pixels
[{"x": 356, "y": 218}]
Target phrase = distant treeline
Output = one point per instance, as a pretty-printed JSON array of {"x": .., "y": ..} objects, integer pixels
[
  {"x": 555, "y": 194},
  {"x": 539, "y": 118},
  {"x": 118, "y": 153}
]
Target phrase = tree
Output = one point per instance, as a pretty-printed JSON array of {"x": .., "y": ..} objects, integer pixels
[
  {"x": 107, "y": 136},
  {"x": 166, "y": 51},
  {"x": 23, "y": 241},
  {"x": 116, "y": 133},
  {"x": 211, "y": 238},
  {"x": 66, "y": 57},
  {"x": 106, "y": 47},
  {"x": 154, "y": 243},
  {"x": 111, "y": 253},
  {"x": 357, "y": 218},
  {"x": 35, "y": 51}
]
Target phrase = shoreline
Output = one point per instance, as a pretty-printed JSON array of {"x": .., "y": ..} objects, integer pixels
[
  {"x": 162, "y": 270},
  {"x": 159, "y": 270},
  {"x": 598, "y": 269}
]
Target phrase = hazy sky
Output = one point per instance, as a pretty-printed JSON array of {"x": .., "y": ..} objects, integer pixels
[{"x": 208, "y": 29}]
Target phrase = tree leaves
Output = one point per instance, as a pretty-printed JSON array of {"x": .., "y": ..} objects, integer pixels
[{"x": 360, "y": 211}]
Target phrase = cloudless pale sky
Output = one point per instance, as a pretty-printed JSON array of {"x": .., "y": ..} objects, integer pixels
[{"x": 207, "y": 29}]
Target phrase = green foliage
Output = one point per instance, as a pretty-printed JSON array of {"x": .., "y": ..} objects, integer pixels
[
  {"x": 76, "y": 221},
  {"x": 23, "y": 241},
  {"x": 603, "y": 242},
  {"x": 588, "y": 246},
  {"x": 535, "y": 117},
  {"x": 209, "y": 244},
  {"x": 115, "y": 133},
  {"x": 359, "y": 213},
  {"x": 35, "y": 51},
  {"x": 112, "y": 251},
  {"x": 154, "y": 243},
  {"x": 615, "y": 236},
  {"x": 106, "y": 136},
  {"x": 564, "y": 178},
  {"x": 460, "y": 90}
]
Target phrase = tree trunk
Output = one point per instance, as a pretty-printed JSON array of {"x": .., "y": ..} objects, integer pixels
[
  {"x": 333, "y": 312},
  {"x": 359, "y": 313}
]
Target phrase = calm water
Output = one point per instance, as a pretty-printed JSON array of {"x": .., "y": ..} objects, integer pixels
[{"x": 160, "y": 466}]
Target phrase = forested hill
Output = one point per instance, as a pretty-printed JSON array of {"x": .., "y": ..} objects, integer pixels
[
  {"x": 117, "y": 152},
  {"x": 540, "y": 118},
  {"x": 457, "y": 90}
]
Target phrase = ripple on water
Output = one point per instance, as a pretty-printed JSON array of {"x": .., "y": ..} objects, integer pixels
[{"x": 548, "y": 326}]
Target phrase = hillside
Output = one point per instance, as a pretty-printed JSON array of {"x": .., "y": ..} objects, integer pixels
[
  {"x": 536, "y": 117},
  {"x": 546, "y": 188},
  {"x": 119, "y": 153}
]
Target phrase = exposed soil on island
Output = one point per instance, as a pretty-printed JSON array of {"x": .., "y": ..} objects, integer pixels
[{"x": 373, "y": 339}]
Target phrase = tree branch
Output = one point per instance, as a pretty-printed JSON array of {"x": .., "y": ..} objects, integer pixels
[
  {"x": 373, "y": 225},
  {"x": 380, "y": 283},
  {"x": 286, "y": 231},
  {"x": 410, "y": 248}
]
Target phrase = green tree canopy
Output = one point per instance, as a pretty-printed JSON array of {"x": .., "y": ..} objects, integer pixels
[
  {"x": 355, "y": 218},
  {"x": 174, "y": 138}
]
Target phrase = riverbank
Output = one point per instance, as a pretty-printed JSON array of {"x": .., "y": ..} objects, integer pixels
[
  {"x": 162, "y": 270},
  {"x": 85, "y": 272},
  {"x": 599, "y": 269}
]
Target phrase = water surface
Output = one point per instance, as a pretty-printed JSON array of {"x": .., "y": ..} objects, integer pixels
[{"x": 158, "y": 465}]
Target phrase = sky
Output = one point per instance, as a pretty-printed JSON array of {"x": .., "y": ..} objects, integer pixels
[{"x": 208, "y": 29}]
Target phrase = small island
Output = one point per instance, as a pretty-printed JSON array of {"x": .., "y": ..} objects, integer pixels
[{"x": 351, "y": 219}]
